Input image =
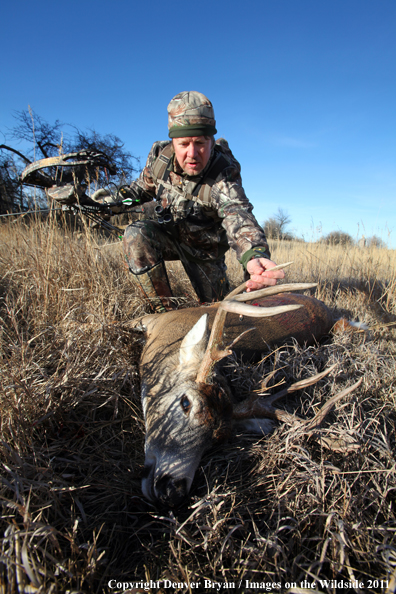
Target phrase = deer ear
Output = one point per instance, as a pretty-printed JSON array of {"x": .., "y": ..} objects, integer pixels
[{"x": 194, "y": 343}]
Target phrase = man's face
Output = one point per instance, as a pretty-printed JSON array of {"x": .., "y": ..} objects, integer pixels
[{"x": 192, "y": 153}]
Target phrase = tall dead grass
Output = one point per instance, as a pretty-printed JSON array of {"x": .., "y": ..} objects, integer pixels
[
  {"x": 282, "y": 509},
  {"x": 371, "y": 270}
]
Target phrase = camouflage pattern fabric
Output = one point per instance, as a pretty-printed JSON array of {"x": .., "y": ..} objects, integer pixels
[
  {"x": 155, "y": 287},
  {"x": 205, "y": 231},
  {"x": 191, "y": 114},
  {"x": 147, "y": 244}
]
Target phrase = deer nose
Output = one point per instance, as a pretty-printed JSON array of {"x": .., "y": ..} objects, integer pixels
[{"x": 170, "y": 492}]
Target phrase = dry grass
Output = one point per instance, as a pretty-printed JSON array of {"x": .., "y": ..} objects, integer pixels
[{"x": 285, "y": 508}]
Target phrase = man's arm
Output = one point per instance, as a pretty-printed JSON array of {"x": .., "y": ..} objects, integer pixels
[{"x": 244, "y": 234}]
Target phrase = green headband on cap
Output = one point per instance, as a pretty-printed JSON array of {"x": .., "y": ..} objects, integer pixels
[{"x": 192, "y": 130}]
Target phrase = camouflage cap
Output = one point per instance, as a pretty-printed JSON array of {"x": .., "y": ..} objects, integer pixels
[{"x": 191, "y": 114}]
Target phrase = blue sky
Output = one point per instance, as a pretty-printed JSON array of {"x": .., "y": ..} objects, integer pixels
[{"x": 303, "y": 90}]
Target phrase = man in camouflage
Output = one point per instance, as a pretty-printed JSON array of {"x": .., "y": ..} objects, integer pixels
[{"x": 195, "y": 209}]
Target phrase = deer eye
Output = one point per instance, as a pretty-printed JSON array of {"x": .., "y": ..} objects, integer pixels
[{"x": 185, "y": 404}]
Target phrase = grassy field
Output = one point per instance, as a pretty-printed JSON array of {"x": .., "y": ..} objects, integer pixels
[{"x": 289, "y": 509}]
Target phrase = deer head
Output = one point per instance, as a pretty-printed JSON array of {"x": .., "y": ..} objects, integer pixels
[{"x": 186, "y": 407}]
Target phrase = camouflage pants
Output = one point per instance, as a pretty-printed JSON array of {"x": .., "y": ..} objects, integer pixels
[{"x": 147, "y": 243}]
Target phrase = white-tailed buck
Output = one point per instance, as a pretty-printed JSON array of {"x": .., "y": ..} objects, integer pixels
[{"x": 187, "y": 406}]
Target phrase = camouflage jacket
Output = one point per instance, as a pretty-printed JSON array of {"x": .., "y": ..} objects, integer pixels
[{"x": 205, "y": 228}]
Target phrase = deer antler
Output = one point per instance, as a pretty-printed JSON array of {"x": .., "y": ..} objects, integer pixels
[
  {"x": 213, "y": 353},
  {"x": 256, "y": 406},
  {"x": 242, "y": 287},
  {"x": 272, "y": 291},
  {"x": 234, "y": 303}
]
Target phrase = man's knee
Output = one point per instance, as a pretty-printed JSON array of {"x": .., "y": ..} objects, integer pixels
[
  {"x": 209, "y": 280},
  {"x": 139, "y": 250},
  {"x": 135, "y": 232}
]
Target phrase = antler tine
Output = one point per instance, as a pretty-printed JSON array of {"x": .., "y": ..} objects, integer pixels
[
  {"x": 273, "y": 291},
  {"x": 253, "y": 311},
  {"x": 213, "y": 353},
  {"x": 257, "y": 406}
]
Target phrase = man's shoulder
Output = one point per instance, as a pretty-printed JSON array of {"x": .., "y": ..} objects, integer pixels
[
  {"x": 232, "y": 168},
  {"x": 154, "y": 153},
  {"x": 223, "y": 144},
  {"x": 158, "y": 147}
]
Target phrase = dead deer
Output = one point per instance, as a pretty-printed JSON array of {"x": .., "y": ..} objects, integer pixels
[{"x": 187, "y": 406}]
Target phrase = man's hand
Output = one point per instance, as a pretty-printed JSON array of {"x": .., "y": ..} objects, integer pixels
[{"x": 261, "y": 275}]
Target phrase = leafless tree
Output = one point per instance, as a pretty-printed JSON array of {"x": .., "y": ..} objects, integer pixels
[
  {"x": 50, "y": 140},
  {"x": 338, "y": 238},
  {"x": 275, "y": 226},
  {"x": 375, "y": 241}
]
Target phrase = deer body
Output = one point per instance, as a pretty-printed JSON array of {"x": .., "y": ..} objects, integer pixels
[
  {"x": 312, "y": 321},
  {"x": 184, "y": 415}
]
